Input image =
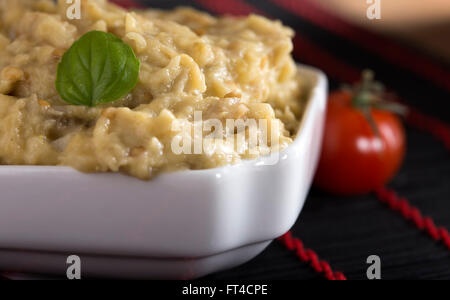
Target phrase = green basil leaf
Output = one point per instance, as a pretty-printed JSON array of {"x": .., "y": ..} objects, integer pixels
[{"x": 98, "y": 68}]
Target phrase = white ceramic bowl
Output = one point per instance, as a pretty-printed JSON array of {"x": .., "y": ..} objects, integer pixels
[{"x": 180, "y": 225}]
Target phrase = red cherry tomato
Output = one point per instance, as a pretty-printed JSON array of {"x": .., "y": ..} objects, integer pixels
[{"x": 355, "y": 158}]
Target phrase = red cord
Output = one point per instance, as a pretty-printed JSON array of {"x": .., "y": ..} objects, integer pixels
[
  {"x": 441, "y": 131},
  {"x": 412, "y": 213},
  {"x": 309, "y": 256}
]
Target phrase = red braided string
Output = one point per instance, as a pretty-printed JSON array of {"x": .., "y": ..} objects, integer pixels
[
  {"x": 309, "y": 256},
  {"x": 413, "y": 214},
  {"x": 441, "y": 131}
]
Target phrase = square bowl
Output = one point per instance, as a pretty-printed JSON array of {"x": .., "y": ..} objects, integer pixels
[{"x": 180, "y": 225}]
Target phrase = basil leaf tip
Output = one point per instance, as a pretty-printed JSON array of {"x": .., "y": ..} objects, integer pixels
[{"x": 98, "y": 68}]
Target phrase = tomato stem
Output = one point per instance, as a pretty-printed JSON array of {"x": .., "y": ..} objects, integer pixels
[
  {"x": 369, "y": 94},
  {"x": 368, "y": 114}
]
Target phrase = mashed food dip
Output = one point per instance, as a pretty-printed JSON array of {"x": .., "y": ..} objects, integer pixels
[{"x": 226, "y": 68}]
